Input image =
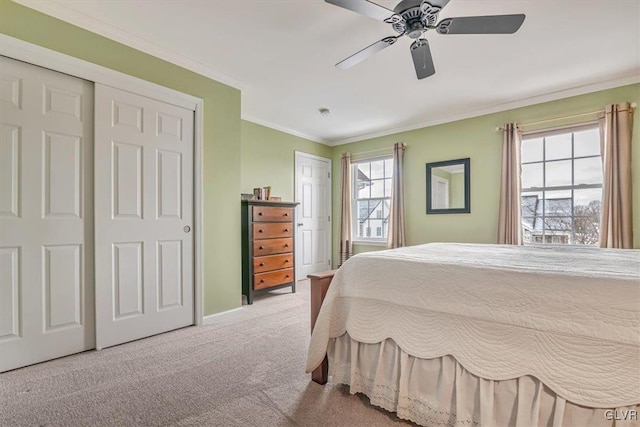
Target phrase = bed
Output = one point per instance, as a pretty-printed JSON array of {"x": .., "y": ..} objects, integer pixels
[{"x": 491, "y": 335}]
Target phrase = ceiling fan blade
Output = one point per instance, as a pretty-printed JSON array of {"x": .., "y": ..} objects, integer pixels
[
  {"x": 438, "y": 3},
  {"x": 497, "y": 24},
  {"x": 422, "y": 60},
  {"x": 366, "y": 53},
  {"x": 364, "y": 7}
]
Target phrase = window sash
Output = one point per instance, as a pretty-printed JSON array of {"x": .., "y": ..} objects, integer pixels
[
  {"x": 547, "y": 232},
  {"x": 559, "y": 160},
  {"x": 356, "y": 220}
]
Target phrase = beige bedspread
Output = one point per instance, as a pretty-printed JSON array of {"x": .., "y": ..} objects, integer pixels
[{"x": 567, "y": 316}]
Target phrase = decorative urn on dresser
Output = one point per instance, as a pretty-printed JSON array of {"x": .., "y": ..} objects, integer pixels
[{"x": 268, "y": 239}]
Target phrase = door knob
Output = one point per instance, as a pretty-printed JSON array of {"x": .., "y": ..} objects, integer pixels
[{"x": 187, "y": 229}]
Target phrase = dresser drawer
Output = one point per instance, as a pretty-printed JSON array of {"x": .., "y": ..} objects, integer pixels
[
  {"x": 273, "y": 278},
  {"x": 272, "y": 246},
  {"x": 270, "y": 230},
  {"x": 272, "y": 214},
  {"x": 272, "y": 262}
]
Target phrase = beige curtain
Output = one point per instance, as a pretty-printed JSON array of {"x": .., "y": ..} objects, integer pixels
[
  {"x": 616, "y": 221},
  {"x": 396, "y": 236},
  {"x": 346, "y": 244},
  {"x": 509, "y": 221}
]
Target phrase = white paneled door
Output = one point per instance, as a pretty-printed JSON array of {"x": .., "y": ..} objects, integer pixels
[
  {"x": 144, "y": 216},
  {"x": 46, "y": 215},
  {"x": 313, "y": 192}
]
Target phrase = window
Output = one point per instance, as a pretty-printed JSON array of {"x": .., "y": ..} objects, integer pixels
[
  {"x": 562, "y": 186},
  {"x": 371, "y": 192}
]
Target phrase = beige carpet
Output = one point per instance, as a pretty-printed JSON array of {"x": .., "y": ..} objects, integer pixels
[{"x": 246, "y": 370}]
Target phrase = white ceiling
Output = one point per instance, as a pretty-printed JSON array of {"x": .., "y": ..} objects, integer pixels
[{"x": 281, "y": 54}]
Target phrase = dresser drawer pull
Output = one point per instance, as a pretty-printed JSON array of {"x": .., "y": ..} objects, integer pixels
[
  {"x": 286, "y": 261},
  {"x": 260, "y": 231},
  {"x": 286, "y": 277},
  {"x": 261, "y": 280},
  {"x": 259, "y": 213},
  {"x": 262, "y": 264},
  {"x": 286, "y": 245},
  {"x": 261, "y": 247},
  {"x": 286, "y": 230},
  {"x": 286, "y": 214}
]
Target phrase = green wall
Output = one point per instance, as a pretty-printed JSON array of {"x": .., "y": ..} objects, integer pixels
[
  {"x": 475, "y": 138},
  {"x": 267, "y": 158},
  {"x": 240, "y": 155},
  {"x": 221, "y": 152}
]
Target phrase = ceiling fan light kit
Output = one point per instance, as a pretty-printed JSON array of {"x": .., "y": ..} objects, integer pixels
[{"x": 413, "y": 18}]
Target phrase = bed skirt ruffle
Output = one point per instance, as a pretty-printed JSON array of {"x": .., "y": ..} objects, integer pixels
[{"x": 441, "y": 392}]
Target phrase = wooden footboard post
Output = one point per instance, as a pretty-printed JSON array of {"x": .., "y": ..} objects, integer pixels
[{"x": 319, "y": 286}]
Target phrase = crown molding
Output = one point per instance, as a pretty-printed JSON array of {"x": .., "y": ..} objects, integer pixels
[
  {"x": 65, "y": 13},
  {"x": 253, "y": 119},
  {"x": 512, "y": 105}
]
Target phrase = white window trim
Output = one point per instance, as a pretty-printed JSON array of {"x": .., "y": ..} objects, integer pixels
[
  {"x": 364, "y": 241},
  {"x": 545, "y": 133}
]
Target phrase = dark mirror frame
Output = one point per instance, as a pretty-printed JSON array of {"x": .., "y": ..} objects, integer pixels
[{"x": 467, "y": 186}]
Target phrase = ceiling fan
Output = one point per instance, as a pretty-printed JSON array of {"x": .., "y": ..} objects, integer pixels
[{"x": 413, "y": 18}]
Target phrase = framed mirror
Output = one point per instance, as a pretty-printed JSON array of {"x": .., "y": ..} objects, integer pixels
[{"x": 448, "y": 187}]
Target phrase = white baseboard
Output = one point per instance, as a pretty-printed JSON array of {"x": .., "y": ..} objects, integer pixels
[{"x": 210, "y": 319}]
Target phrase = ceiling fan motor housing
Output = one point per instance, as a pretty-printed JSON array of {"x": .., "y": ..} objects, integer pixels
[{"x": 413, "y": 17}]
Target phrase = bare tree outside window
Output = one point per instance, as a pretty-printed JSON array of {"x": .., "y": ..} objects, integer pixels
[{"x": 562, "y": 186}]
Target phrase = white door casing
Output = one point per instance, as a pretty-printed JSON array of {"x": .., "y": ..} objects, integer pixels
[
  {"x": 440, "y": 189},
  {"x": 144, "y": 216},
  {"x": 46, "y": 215},
  {"x": 313, "y": 216},
  {"x": 37, "y": 55}
]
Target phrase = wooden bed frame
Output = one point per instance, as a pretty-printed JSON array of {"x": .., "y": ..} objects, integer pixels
[{"x": 319, "y": 286}]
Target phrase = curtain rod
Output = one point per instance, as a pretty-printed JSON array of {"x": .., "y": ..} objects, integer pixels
[
  {"x": 377, "y": 150},
  {"x": 555, "y": 119}
]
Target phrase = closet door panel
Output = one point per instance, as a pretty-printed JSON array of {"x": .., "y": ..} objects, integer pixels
[
  {"x": 144, "y": 216},
  {"x": 46, "y": 215}
]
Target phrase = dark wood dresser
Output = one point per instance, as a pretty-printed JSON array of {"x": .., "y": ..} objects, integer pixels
[{"x": 268, "y": 239}]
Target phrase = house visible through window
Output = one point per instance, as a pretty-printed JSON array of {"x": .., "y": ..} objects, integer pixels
[
  {"x": 371, "y": 198},
  {"x": 562, "y": 186}
]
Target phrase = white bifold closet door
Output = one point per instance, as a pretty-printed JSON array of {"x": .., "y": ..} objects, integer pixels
[
  {"x": 143, "y": 216},
  {"x": 46, "y": 215}
]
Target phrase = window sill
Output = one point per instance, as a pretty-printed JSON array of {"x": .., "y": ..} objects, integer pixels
[{"x": 370, "y": 242}]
